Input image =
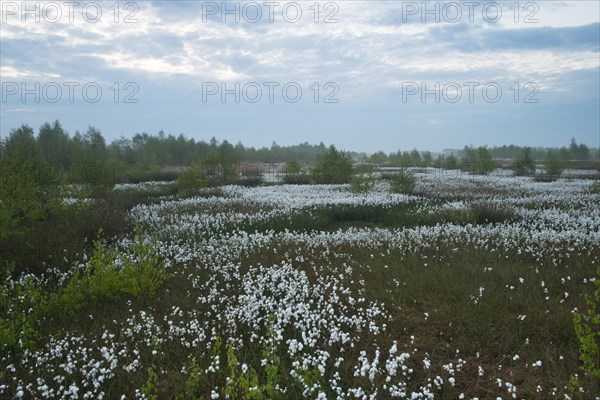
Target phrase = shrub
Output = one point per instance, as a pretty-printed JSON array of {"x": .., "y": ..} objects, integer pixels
[
  {"x": 110, "y": 276},
  {"x": 525, "y": 164},
  {"x": 22, "y": 307},
  {"x": 293, "y": 167},
  {"x": 333, "y": 167},
  {"x": 587, "y": 329},
  {"x": 403, "y": 182},
  {"x": 252, "y": 177},
  {"x": 484, "y": 163},
  {"x": 553, "y": 165},
  {"x": 191, "y": 181},
  {"x": 451, "y": 162},
  {"x": 362, "y": 183}
]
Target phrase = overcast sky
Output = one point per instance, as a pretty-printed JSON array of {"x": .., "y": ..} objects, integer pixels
[{"x": 364, "y": 75}]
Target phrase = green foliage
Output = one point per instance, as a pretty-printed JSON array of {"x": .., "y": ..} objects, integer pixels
[
  {"x": 22, "y": 308},
  {"x": 191, "y": 181},
  {"x": 403, "y": 182},
  {"x": 241, "y": 383},
  {"x": 333, "y": 167},
  {"x": 553, "y": 164},
  {"x": 581, "y": 152},
  {"x": 292, "y": 167},
  {"x": 484, "y": 163},
  {"x": 294, "y": 175},
  {"x": 194, "y": 384},
  {"x": 252, "y": 175},
  {"x": 362, "y": 183},
  {"x": 594, "y": 188},
  {"x": 145, "y": 272},
  {"x": 241, "y": 380},
  {"x": 24, "y": 182},
  {"x": 587, "y": 329},
  {"x": 525, "y": 164},
  {"x": 451, "y": 162},
  {"x": 150, "y": 389},
  {"x": 109, "y": 276}
]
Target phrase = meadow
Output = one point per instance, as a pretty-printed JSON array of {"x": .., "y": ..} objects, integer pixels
[{"x": 467, "y": 288}]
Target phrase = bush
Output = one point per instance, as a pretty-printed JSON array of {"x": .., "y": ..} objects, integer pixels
[
  {"x": 111, "y": 275},
  {"x": 587, "y": 329},
  {"x": 451, "y": 162},
  {"x": 525, "y": 164},
  {"x": 293, "y": 167},
  {"x": 362, "y": 183},
  {"x": 191, "y": 181},
  {"x": 553, "y": 165},
  {"x": 484, "y": 163},
  {"x": 252, "y": 177},
  {"x": 333, "y": 167},
  {"x": 403, "y": 182}
]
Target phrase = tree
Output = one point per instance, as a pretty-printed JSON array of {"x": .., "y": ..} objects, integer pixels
[
  {"x": 427, "y": 159},
  {"x": 24, "y": 182},
  {"x": 403, "y": 182},
  {"x": 292, "y": 167},
  {"x": 191, "y": 181},
  {"x": 469, "y": 157},
  {"x": 333, "y": 167},
  {"x": 415, "y": 158},
  {"x": 525, "y": 164},
  {"x": 54, "y": 144},
  {"x": 484, "y": 163},
  {"x": 378, "y": 158},
  {"x": 580, "y": 152},
  {"x": 451, "y": 162},
  {"x": 552, "y": 164}
]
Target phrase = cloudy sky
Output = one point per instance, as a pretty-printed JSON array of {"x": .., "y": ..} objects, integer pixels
[{"x": 365, "y": 75}]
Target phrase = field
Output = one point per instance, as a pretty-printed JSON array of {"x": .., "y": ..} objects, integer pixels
[{"x": 465, "y": 289}]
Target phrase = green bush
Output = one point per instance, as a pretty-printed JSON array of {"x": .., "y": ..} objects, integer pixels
[
  {"x": 362, "y": 183},
  {"x": 22, "y": 308},
  {"x": 333, "y": 167},
  {"x": 553, "y": 164},
  {"x": 484, "y": 163},
  {"x": 109, "y": 276},
  {"x": 525, "y": 164},
  {"x": 403, "y": 182},
  {"x": 587, "y": 329},
  {"x": 191, "y": 181}
]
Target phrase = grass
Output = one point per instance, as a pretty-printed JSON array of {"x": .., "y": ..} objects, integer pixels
[{"x": 432, "y": 294}]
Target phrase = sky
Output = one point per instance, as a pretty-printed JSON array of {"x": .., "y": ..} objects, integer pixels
[{"x": 363, "y": 75}]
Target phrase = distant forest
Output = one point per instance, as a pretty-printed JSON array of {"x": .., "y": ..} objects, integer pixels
[{"x": 54, "y": 145}]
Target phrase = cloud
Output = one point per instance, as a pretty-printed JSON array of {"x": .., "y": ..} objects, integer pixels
[{"x": 170, "y": 51}]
